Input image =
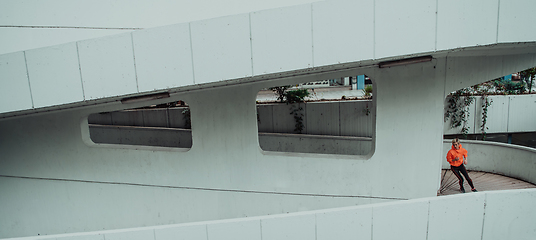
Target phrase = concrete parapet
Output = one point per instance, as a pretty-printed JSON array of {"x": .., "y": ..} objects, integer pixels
[
  {"x": 506, "y": 159},
  {"x": 485, "y": 215}
]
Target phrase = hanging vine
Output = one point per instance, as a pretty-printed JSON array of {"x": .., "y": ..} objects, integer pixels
[
  {"x": 486, "y": 102},
  {"x": 297, "y": 111},
  {"x": 458, "y": 110}
]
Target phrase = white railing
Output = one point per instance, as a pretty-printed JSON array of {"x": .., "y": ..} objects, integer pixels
[{"x": 506, "y": 159}]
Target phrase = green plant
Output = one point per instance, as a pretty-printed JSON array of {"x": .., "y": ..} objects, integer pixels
[
  {"x": 458, "y": 109},
  {"x": 367, "y": 91},
  {"x": 486, "y": 102},
  {"x": 296, "y": 96},
  {"x": 297, "y": 111},
  {"x": 528, "y": 76},
  {"x": 280, "y": 92},
  {"x": 458, "y": 102},
  {"x": 187, "y": 119},
  {"x": 366, "y": 110},
  {"x": 509, "y": 87},
  {"x": 290, "y": 97}
]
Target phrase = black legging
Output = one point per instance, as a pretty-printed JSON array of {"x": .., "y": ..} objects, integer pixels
[{"x": 457, "y": 170}]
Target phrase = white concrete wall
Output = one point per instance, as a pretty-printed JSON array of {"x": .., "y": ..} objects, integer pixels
[
  {"x": 490, "y": 215},
  {"x": 507, "y": 159},
  {"x": 46, "y": 155},
  {"x": 51, "y": 150}
]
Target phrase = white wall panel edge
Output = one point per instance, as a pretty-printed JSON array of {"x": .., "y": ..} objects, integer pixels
[
  {"x": 15, "y": 89},
  {"x": 54, "y": 74},
  {"x": 221, "y": 48},
  {"x": 107, "y": 66},
  {"x": 163, "y": 57},
  {"x": 273, "y": 38},
  {"x": 330, "y": 23}
]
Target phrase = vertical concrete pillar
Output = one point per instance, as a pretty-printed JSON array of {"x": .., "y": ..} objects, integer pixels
[{"x": 409, "y": 125}]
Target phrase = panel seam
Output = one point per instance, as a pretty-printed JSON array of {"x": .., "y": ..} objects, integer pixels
[
  {"x": 372, "y": 224},
  {"x": 484, "y": 216},
  {"x": 498, "y": 18},
  {"x": 436, "y": 23},
  {"x": 191, "y": 51},
  {"x": 251, "y": 45},
  {"x": 374, "y": 29},
  {"x": 134, "y": 60},
  {"x": 428, "y": 222},
  {"x": 28, "y": 77},
  {"x": 204, "y": 189},
  {"x": 80, "y": 71},
  {"x": 312, "y": 39}
]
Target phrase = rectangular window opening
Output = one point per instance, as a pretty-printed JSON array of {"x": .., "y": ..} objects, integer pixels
[
  {"x": 334, "y": 116},
  {"x": 163, "y": 125}
]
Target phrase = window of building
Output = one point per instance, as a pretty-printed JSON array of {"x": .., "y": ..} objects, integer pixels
[
  {"x": 164, "y": 125},
  {"x": 333, "y": 116}
]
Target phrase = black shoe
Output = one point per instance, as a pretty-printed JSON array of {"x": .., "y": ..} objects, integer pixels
[
  {"x": 474, "y": 190},
  {"x": 462, "y": 190}
]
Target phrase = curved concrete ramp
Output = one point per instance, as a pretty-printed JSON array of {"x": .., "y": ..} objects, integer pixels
[{"x": 483, "y": 181}]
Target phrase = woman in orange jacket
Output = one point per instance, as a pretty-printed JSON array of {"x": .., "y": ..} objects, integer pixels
[{"x": 457, "y": 157}]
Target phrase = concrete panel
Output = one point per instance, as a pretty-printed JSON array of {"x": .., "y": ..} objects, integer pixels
[
  {"x": 156, "y": 137},
  {"x": 356, "y": 118},
  {"x": 235, "y": 230},
  {"x": 510, "y": 216},
  {"x": 497, "y": 119},
  {"x": 143, "y": 136},
  {"x": 221, "y": 48},
  {"x": 131, "y": 235},
  {"x": 459, "y": 25},
  {"x": 82, "y": 237},
  {"x": 323, "y": 119},
  {"x": 283, "y": 34},
  {"x": 14, "y": 86},
  {"x": 461, "y": 212},
  {"x": 100, "y": 118},
  {"x": 397, "y": 221},
  {"x": 289, "y": 228},
  {"x": 305, "y": 143},
  {"x": 404, "y": 32},
  {"x": 195, "y": 232},
  {"x": 54, "y": 75},
  {"x": 107, "y": 66},
  {"x": 265, "y": 118},
  {"x": 127, "y": 118},
  {"x": 522, "y": 108},
  {"x": 513, "y": 13},
  {"x": 163, "y": 57},
  {"x": 345, "y": 24},
  {"x": 155, "y": 117},
  {"x": 105, "y": 134},
  {"x": 344, "y": 225}
]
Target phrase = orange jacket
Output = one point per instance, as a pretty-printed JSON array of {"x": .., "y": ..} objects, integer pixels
[{"x": 453, "y": 153}]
